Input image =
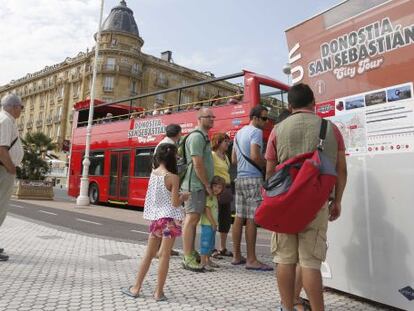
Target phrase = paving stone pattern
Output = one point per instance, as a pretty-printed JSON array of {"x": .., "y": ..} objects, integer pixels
[{"x": 70, "y": 271}]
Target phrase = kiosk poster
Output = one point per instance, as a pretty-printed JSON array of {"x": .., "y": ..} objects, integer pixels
[{"x": 376, "y": 122}]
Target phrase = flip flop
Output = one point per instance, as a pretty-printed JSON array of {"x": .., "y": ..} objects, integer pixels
[
  {"x": 225, "y": 252},
  {"x": 262, "y": 267},
  {"x": 240, "y": 262},
  {"x": 127, "y": 291},
  {"x": 303, "y": 303},
  {"x": 161, "y": 298}
]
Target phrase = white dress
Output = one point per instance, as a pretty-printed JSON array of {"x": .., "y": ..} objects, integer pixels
[{"x": 158, "y": 201}]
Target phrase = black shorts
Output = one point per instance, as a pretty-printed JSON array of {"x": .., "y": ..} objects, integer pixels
[{"x": 224, "y": 218}]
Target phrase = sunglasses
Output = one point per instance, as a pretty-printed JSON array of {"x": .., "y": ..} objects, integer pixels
[
  {"x": 208, "y": 117},
  {"x": 264, "y": 118}
]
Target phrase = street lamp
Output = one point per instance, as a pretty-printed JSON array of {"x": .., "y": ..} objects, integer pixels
[
  {"x": 83, "y": 198},
  {"x": 287, "y": 71}
]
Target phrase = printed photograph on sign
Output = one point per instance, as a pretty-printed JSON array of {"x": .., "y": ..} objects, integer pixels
[
  {"x": 352, "y": 127},
  {"x": 355, "y": 102},
  {"x": 375, "y": 98},
  {"x": 399, "y": 93}
]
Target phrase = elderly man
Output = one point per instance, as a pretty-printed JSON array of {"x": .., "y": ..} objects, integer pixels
[{"x": 11, "y": 153}]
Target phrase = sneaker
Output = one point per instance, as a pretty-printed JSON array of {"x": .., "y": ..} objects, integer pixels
[
  {"x": 189, "y": 263},
  {"x": 196, "y": 256},
  {"x": 1, "y": 250},
  {"x": 4, "y": 257}
]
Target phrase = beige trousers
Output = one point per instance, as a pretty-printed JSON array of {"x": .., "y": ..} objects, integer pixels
[{"x": 6, "y": 188}]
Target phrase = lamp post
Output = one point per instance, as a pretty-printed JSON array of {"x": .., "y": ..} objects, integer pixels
[
  {"x": 287, "y": 71},
  {"x": 83, "y": 198}
]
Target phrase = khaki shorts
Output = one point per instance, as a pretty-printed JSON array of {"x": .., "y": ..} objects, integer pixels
[
  {"x": 196, "y": 203},
  {"x": 308, "y": 248}
]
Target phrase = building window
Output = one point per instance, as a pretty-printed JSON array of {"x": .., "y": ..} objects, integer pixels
[
  {"x": 76, "y": 89},
  {"x": 108, "y": 84},
  {"x": 60, "y": 91},
  {"x": 136, "y": 68},
  {"x": 57, "y": 131},
  {"x": 110, "y": 64},
  {"x": 133, "y": 87}
]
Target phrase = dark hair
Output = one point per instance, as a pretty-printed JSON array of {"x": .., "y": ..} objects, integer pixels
[
  {"x": 300, "y": 96},
  {"x": 172, "y": 130},
  {"x": 283, "y": 115},
  {"x": 167, "y": 155},
  {"x": 217, "y": 180},
  {"x": 217, "y": 139},
  {"x": 256, "y": 111}
]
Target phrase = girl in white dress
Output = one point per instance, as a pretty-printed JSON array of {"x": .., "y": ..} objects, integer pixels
[{"x": 163, "y": 208}]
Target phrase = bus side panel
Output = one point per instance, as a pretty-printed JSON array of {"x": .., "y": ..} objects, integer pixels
[
  {"x": 74, "y": 173},
  {"x": 137, "y": 191}
]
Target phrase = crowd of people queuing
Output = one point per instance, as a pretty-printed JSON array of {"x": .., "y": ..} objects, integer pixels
[
  {"x": 202, "y": 196},
  {"x": 178, "y": 202}
]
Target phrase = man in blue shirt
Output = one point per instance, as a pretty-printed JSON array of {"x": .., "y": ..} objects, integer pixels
[{"x": 248, "y": 154}]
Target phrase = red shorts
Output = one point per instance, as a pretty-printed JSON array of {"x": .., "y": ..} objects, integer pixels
[{"x": 166, "y": 228}]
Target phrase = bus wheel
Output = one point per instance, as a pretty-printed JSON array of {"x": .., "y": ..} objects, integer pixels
[{"x": 93, "y": 194}]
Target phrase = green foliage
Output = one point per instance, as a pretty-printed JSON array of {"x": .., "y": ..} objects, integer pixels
[{"x": 37, "y": 147}]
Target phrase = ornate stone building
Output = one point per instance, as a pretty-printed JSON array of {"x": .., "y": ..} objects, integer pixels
[{"x": 122, "y": 71}]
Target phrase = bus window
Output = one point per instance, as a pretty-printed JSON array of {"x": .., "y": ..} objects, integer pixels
[
  {"x": 274, "y": 99},
  {"x": 96, "y": 168},
  {"x": 143, "y": 162}
]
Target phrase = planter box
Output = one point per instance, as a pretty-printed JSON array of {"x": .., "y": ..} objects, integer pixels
[{"x": 33, "y": 190}]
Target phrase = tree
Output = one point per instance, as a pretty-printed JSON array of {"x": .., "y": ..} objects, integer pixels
[{"x": 37, "y": 148}]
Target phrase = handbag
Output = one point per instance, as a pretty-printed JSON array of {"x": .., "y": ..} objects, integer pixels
[{"x": 297, "y": 191}]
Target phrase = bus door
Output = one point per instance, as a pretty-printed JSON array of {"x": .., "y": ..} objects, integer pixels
[{"x": 119, "y": 176}]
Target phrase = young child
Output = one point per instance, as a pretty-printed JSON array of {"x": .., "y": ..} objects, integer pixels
[
  {"x": 163, "y": 208},
  {"x": 208, "y": 224}
]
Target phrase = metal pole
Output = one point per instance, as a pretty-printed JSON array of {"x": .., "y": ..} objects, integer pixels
[{"x": 83, "y": 198}]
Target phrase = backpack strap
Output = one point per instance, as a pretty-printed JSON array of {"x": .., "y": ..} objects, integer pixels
[
  {"x": 191, "y": 161},
  {"x": 13, "y": 142},
  {"x": 322, "y": 134}
]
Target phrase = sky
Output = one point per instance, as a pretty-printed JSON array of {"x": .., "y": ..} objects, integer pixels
[{"x": 220, "y": 36}]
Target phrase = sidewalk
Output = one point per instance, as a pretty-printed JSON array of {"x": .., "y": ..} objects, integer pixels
[{"x": 53, "y": 269}]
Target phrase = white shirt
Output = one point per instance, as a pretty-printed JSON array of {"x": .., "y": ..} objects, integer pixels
[
  {"x": 8, "y": 133},
  {"x": 166, "y": 140}
]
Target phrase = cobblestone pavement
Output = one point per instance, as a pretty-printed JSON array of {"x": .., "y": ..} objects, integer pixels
[{"x": 54, "y": 269}]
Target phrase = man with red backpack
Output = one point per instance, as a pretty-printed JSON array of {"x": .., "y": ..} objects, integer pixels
[{"x": 298, "y": 134}]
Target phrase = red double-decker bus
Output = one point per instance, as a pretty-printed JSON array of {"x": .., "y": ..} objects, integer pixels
[{"x": 124, "y": 135}]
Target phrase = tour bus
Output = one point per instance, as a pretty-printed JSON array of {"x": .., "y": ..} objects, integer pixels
[
  {"x": 358, "y": 58},
  {"x": 124, "y": 135}
]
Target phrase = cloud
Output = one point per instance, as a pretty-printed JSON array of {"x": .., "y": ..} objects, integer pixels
[{"x": 38, "y": 33}]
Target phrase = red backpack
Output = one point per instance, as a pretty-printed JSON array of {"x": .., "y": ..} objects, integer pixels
[{"x": 297, "y": 191}]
